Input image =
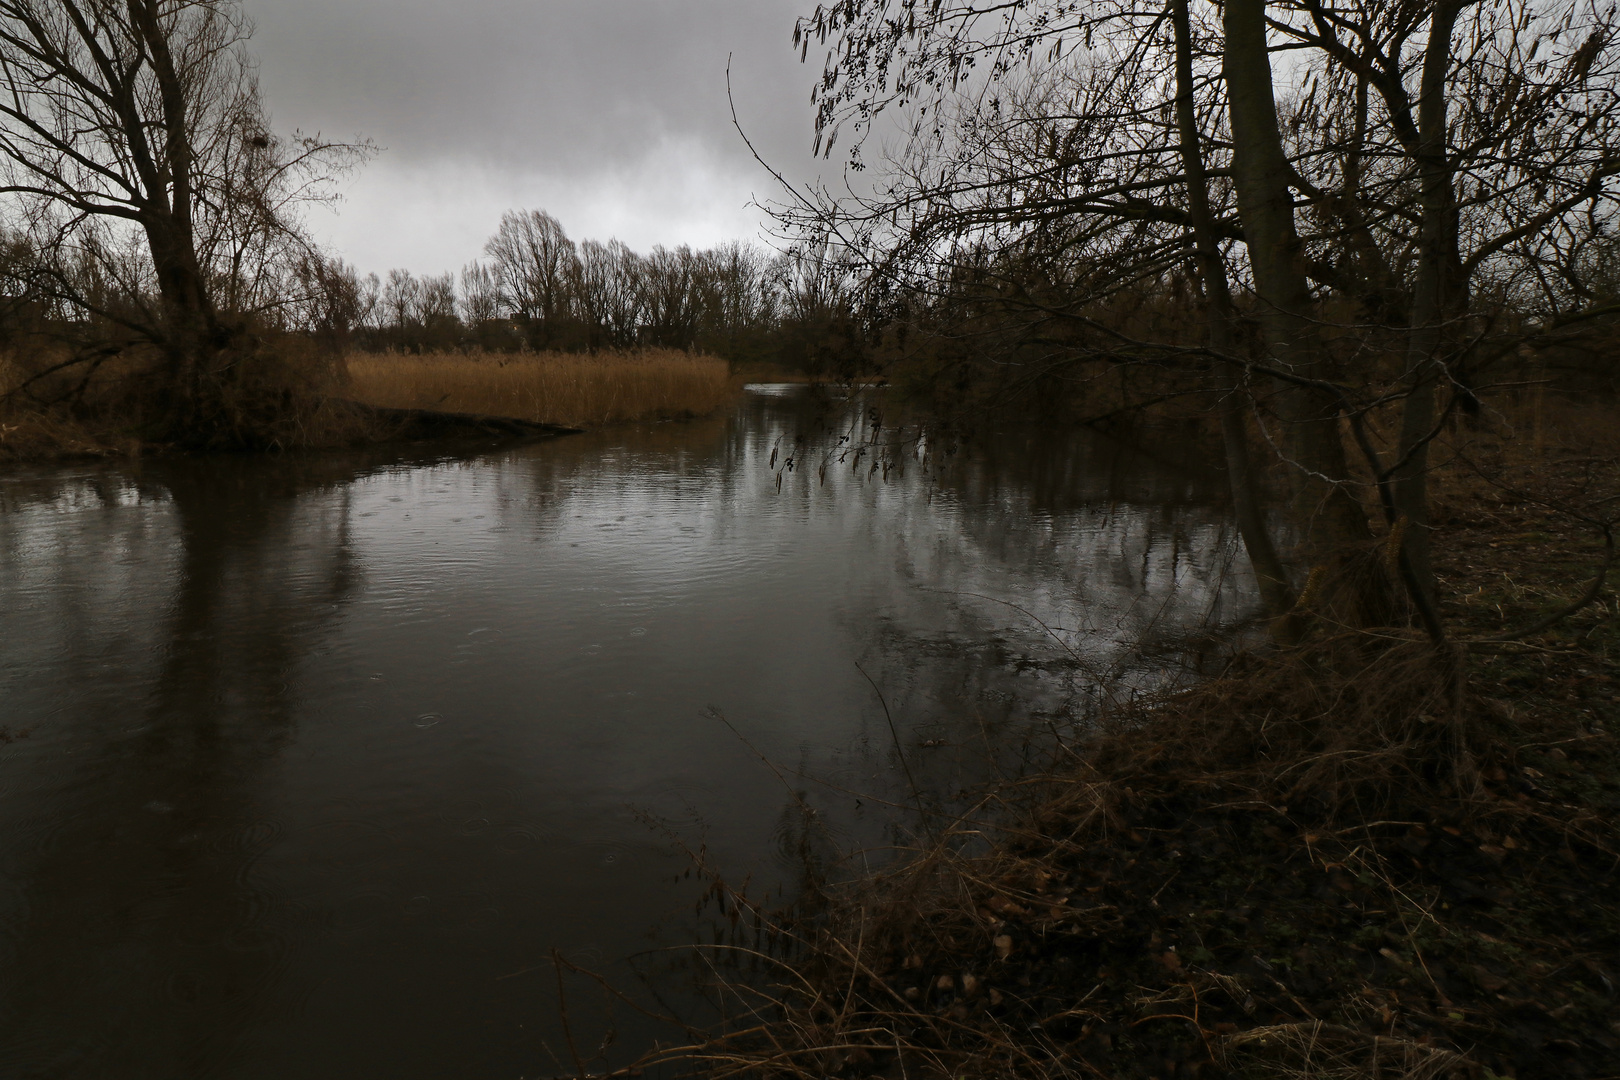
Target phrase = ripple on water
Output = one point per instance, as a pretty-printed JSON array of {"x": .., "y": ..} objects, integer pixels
[
  {"x": 519, "y": 839},
  {"x": 428, "y": 719},
  {"x": 251, "y": 839},
  {"x": 50, "y": 1053},
  {"x": 358, "y": 912},
  {"x": 676, "y": 804},
  {"x": 14, "y": 912}
]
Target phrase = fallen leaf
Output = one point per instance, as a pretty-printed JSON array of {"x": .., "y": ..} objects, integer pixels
[{"x": 1004, "y": 906}]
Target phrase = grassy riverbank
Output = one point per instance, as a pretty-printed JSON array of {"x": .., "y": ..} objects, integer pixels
[
  {"x": 586, "y": 389},
  {"x": 69, "y": 415},
  {"x": 59, "y": 403},
  {"x": 1358, "y": 859}
]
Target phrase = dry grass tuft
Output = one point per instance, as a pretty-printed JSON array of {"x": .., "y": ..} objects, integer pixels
[
  {"x": 29, "y": 432},
  {"x": 34, "y": 437},
  {"x": 1318, "y": 1051},
  {"x": 1323, "y": 865},
  {"x": 556, "y": 388}
]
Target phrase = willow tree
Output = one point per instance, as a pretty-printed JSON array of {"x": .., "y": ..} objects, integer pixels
[{"x": 136, "y": 156}]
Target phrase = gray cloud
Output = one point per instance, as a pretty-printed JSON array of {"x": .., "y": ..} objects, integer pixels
[{"x": 610, "y": 113}]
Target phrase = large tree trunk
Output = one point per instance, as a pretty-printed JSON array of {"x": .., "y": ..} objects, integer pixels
[
  {"x": 1220, "y": 313},
  {"x": 1334, "y": 530},
  {"x": 192, "y": 340}
]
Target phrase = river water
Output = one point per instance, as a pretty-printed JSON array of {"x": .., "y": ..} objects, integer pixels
[{"x": 308, "y": 763}]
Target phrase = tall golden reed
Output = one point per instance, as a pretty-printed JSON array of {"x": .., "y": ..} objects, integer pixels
[{"x": 558, "y": 388}]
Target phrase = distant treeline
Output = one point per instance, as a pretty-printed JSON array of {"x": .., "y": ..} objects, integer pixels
[{"x": 538, "y": 289}]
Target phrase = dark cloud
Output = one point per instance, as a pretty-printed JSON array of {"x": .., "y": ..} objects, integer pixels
[{"x": 610, "y": 113}]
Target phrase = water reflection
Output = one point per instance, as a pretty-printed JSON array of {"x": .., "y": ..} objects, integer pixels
[
  {"x": 181, "y": 598},
  {"x": 326, "y": 754}
]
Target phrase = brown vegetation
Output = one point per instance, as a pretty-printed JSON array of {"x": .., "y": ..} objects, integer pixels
[
  {"x": 152, "y": 215},
  {"x": 293, "y": 395},
  {"x": 556, "y": 388},
  {"x": 1321, "y": 865},
  {"x": 1362, "y": 857},
  {"x": 282, "y": 395}
]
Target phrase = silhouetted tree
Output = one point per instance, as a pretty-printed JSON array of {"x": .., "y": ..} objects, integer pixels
[
  {"x": 534, "y": 261},
  {"x": 134, "y": 144},
  {"x": 1360, "y": 246}
]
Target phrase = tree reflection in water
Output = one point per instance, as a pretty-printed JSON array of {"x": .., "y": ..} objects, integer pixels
[
  {"x": 142, "y": 941},
  {"x": 328, "y": 753}
]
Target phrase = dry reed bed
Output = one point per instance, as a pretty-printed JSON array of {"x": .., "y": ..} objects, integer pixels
[{"x": 557, "y": 388}]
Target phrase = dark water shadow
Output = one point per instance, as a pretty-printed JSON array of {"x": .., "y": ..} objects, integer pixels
[{"x": 147, "y": 938}]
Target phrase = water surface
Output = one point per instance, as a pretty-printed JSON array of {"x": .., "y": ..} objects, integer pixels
[{"x": 312, "y": 760}]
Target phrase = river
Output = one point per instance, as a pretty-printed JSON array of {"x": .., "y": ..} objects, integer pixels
[{"x": 308, "y": 762}]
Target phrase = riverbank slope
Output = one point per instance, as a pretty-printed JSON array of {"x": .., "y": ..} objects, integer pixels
[{"x": 1362, "y": 858}]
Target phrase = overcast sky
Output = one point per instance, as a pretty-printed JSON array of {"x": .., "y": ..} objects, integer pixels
[{"x": 611, "y": 114}]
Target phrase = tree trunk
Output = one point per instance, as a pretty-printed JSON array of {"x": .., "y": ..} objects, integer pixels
[
  {"x": 191, "y": 334},
  {"x": 1220, "y": 313},
  {"x": 1333, "y": 525},
  {"x": 1432, "y": 302}
]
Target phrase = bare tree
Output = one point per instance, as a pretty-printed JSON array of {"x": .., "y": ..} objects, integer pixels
[
  {"x": 737, "y": 286},
  {"x": 1363, "y": 241},
  {"x": 126, "y": 120},
  {"x": 480, "y": 295},
  {"x": 401, "y": 303},
  {"x": 671, "y": 307},
  {"x": 623, "y": 306},
  {"x": 436, "y": 311},
  {"x": 594, "y": 273},
  {"x": 332, "y": 300},
  {"x": 533, "y": 260}
]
